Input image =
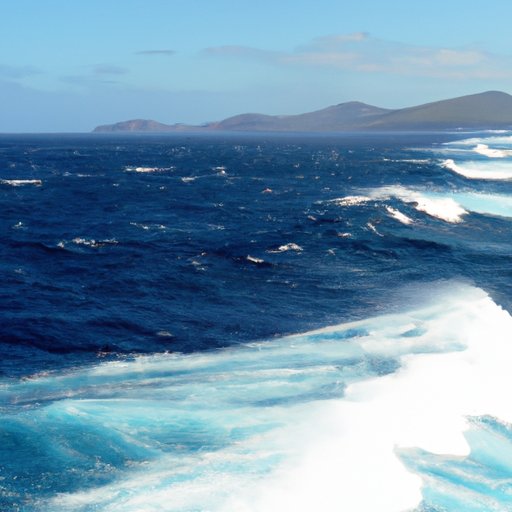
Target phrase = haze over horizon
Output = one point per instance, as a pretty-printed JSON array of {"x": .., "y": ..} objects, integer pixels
[{"x": 71, "y": 66}]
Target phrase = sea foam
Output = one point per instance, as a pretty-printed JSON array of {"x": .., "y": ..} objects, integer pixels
[
  {"x": 449, "y": 206},
  {"x": 480, "y": 170},
  {"x": 501, "y": 140},
  {"x": 399, "y": 216},
  {"x": 20, "y": 183},
  {"x": 440, "y": 206},
  {"x": 334, "y": 419},
  {"x": 147, "y": 169},
  {"x": 484, "y": 149}
]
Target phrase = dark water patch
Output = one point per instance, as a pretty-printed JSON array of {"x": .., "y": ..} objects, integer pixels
[{"x": 113, "y": 258}]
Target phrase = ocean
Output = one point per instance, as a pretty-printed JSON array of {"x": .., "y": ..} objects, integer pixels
[{"x": 256, "y": 322}]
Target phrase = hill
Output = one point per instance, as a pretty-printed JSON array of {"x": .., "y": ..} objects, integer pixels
[
  {"x": 492, "y": 109},
  {"x": 335, "y": 118},
  {"x": 141, "y": 125}
]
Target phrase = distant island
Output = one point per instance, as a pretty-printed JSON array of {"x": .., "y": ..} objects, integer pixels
[{"x": 491, "y": 109}]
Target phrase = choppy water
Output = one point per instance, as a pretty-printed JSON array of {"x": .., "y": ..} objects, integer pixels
[{"x": 256, "y": 323}]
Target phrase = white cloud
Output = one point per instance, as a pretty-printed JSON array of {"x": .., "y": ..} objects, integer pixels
[
  {"x": 460, "y": 58},
  {"x": 359, "y": 52},
  {"x": 330, "y": 41},
  {"x": 241, "y": 52},
  {"x": 165, "y": 53},
  {"x": 329, "y": 59}
]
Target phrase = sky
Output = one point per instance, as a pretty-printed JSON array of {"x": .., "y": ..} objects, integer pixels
[{"x": 70, "y": 65}]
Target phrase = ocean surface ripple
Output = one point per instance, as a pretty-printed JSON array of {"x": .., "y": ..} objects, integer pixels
[{"x": 251, "y": 322}]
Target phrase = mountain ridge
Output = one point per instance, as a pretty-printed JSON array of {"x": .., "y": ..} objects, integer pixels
[{"x": 490, "y": 109}]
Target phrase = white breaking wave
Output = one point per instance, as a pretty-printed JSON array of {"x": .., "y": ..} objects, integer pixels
[
  {"x": 221, "y": 170},
  {"x": 435, "y": 205},
  {"x": 399, "y": 216},
  {"x": 94, "y": 243},
  {"x": 350, "y": 200},
  {"x": 416, "y": 160},
  {"x": 253, "y": 259},
  {"x": 147, "y": 169},
  {"x": 444, "y": 208},
  {"x": 373, "y": 229},
  {"x": 90, "y": 242},
  {"x": 484, "y": 149},
  {"x": 20, "y": 183},
  {"x": 473, "y": 141},
  {"x": 491, "y": 147},
  {"x": 447, "y": 206},
  {"x": 440, "y": 206},
  {"x": 287, "y": 247},
  {"x": 147, "y": 227},
  {"x": 285, "y": 444},
  {"x": 409, "y": 160},
  {"x": 480, "y": 170}
]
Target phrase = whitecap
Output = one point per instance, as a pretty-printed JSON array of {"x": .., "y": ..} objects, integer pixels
[
  {"x": 373, "y": 229},
  {"x": 147, "y": 169},
  {"x": 440, "y": 206},
  {"x": 398, "y": 215},
  {"x": 90, "y": 242},
  {"x": 473, "y": 141},
  {"x": 165, "y": 334},
  {"x": 221, "y": 170},
  {"x": 252, "y": 259},
  {"x": 287, "y": 247},
  {"x": 418, "y": 161},
  {"x": 480, "y": 170},
  {"x": 350, "y": 200},
  {"x": 484, "y": 149},
  {"x": 444, "y": 208},
  {"x": 147, "y": 227},
  {"x": 20, "y": 183},
  {"x": 449, "y": 206}
]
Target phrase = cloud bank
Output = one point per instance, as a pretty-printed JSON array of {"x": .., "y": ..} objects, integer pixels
[{"x": 362, "y": 53}]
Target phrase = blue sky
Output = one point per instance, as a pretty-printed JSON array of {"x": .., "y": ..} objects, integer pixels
[{"x": 69, "y": 65}]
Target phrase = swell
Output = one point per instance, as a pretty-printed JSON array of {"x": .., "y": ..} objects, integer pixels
[{"x": 165, "y": 430}]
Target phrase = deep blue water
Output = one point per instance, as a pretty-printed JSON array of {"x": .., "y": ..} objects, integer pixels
[{"x": 113, "y": 246}]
